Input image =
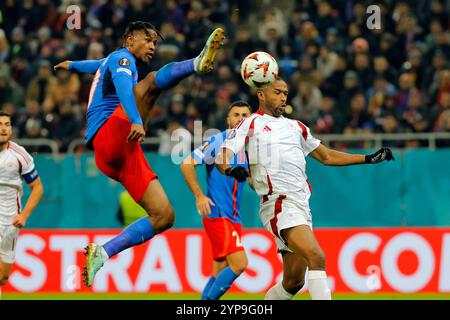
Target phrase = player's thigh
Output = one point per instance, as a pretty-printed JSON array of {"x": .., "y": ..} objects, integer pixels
[
  {"x": 146, "y": 93},
  {"x": 155, "y": 200},
  {"x": 301, "y": 240},
  {"x": 294, "y": 269}
]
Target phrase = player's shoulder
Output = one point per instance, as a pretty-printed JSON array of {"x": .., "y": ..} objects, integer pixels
[
  {"x": 18, "y": 150},
  {"x": 297, "y": 123},
  {"x": 247, "y": 122},
  {"x": 123, "y": 57}
]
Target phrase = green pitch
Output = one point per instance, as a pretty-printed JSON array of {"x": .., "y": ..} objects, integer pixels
[{"x": 193, "y": 296}]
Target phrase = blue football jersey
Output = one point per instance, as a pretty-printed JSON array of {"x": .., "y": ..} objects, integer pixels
[
  {"x": 103, "y": 98},
  {"x": 224, "y": 191}
]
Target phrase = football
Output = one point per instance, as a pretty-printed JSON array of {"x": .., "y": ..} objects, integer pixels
[{"x": 259, "y": 69}]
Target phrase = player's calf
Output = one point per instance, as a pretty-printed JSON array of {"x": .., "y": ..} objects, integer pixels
[
  {"x": 3, "y": 280},
  {"x": 293, "y": 284}
]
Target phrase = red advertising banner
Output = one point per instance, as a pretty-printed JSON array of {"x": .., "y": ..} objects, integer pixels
[{"x": 358, "y": 260}]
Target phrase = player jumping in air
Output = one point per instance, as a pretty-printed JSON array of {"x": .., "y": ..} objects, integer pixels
[
  {"x": 118, "y": 109},
  {"x": 277, "y": 147},
  {"x": 220, "y": 208},
  {"x": 15, "y": 164}
]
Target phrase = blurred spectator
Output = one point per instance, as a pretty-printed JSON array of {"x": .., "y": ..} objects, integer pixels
[
  {"x": 351, "y": 87},
  {"x": 326, "y": 18},
  {"x": 197, "y": 28},
  {"x": 40, "y": 86},
  {"x": 377, "y": 94},
  {"x": 307, "y": 102},
  {"x": 382, "y": 68},
  {"x": 358, "y": 121},
  {"x": 175, "y": 15},
  {"x": 328, "y": 120},
  {"x": 10, "y": 91},
  {"x": 405, "y": 84},
  {"x": 32, "y": 124},
  {"x": 4, "y": 46},
  {"x": 416, "y": 116},
  {"x": 66, "y": 127},
  {"x": 66, "y": 86},
  {"x": 327, "y": 61}
]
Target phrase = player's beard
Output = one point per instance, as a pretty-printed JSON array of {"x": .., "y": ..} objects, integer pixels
[{"x": 277, "y": 109}]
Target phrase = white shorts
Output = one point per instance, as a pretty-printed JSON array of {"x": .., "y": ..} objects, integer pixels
[
  {"x": 280, "y": 212},
  {"x": 8, "y": 243}
]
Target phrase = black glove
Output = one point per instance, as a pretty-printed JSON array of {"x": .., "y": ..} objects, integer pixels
[
  {"x": 379, "y": 156},
  {"x": 239, "y": 173}
]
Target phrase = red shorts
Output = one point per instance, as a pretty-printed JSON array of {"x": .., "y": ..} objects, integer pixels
[
  {"x": 224, "y": 236},
  {"x": 120, "y": 160}
]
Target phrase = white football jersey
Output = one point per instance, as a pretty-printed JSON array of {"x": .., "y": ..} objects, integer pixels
[
  {"x": 15, "y": 162},
  {"x": 276, "y": 149}
]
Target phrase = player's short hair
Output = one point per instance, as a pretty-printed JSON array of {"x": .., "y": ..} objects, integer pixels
[
  {"x": 140, "y": 26},
  {"x": 5, "y": 114},
  {"x": 239, "y": 103}
]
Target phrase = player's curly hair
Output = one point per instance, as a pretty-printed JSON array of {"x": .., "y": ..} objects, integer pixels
[{"x": 140, "y": 25}]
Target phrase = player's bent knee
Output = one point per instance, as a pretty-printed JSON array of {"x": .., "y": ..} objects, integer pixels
[
  {"x": 239, "y": 266},
  {"x": 316, "y": 259},
  {"x": 165, "y": 219}
]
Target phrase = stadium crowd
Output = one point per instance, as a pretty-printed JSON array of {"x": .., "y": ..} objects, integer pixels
[{"x": 343, "y": 77}]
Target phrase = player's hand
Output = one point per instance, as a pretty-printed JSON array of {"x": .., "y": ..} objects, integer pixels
[
  {"x": 19, "y": 221},
  {"x": 203, "y": 205},
  {"x": 62, "y": 65},
  {"x": 379, "y": 156},
  {"x": 137, "y": 132},
  {"x": 239, "y": 173}
]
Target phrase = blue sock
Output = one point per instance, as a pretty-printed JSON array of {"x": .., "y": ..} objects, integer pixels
[
  {"x": 136, "y": 233},
  {"x": 168, "y": 76},
  {"x": 207, "y": 287},
  {"x": 222, "y": 284}
]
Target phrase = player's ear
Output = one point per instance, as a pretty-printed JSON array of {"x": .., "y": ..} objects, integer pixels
[{"x": 260, "y": 95}]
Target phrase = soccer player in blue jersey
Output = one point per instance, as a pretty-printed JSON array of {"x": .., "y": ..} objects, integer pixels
[
  {"x": 220, "y": 207},
  {"x": 118, "y": 109}
]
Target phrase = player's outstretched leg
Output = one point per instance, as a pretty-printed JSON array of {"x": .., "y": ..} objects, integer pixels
[
  {"x": 171, "y": 74},
  {"x": 149, "y": 88},
  {"x": 161, "y": 217}
]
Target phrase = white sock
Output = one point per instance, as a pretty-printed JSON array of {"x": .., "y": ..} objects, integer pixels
[
  {"x": 277, "y": 292},
  {"x": 105, "y": 256},
  {"x": 318, "y": 286}
]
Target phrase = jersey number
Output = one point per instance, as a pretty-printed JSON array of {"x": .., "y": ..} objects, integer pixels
[{"x": 238, "y": 240}]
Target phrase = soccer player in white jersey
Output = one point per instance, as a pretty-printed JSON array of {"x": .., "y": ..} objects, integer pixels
[
  {"x": 15, "y": 164},
  {"x": 276, "y": 148}
]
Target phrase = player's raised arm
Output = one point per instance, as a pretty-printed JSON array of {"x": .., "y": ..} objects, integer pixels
[
  {"x": 84, "y": 66},
  {"x": 332, "y": 157}
]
